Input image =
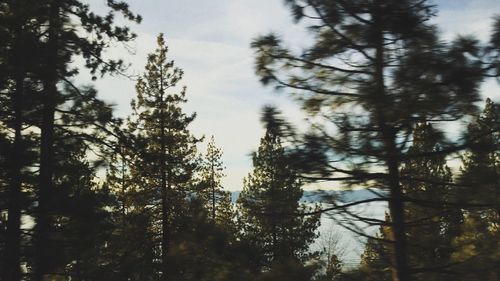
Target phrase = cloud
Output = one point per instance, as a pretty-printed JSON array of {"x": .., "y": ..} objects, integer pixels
[
  {"x": 221, "y": 88},
  {"x": 462, "y": 17},
  {"x": 210, "y": 41}
]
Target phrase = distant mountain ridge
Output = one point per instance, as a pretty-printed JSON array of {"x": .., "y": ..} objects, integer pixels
[{"x": 324, "y": 196}]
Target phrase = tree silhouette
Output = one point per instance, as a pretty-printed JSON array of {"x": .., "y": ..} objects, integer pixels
[
  {"x": 166, "y": 150},
  {"x": 268, "y": 206}
]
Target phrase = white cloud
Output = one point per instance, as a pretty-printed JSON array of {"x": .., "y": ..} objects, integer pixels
[
  {"x": 461, "y": 17},
  {"x": 210, "y": 41},
  {"x": 222, "y": 89}
]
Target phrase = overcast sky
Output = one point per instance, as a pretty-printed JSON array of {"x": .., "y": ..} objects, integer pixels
[{"x": 210, "y": 41}]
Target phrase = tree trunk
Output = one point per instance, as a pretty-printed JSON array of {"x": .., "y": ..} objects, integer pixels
[
  {"x": 165, "y": 241},
  {"x": 165, "y": 246},
  {"x": 50, "y": 79},
  {"x": 13, "y": 234},
  {"x": 213, "y": 192},
  {"x": 396, "y": 209},
  {"x": 400, "y": 269}
]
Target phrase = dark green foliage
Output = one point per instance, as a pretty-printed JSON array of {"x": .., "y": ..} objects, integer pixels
[
  {"x": 476, "y": 249},
  {"x": 452, "y": 228},
  {"x": 432, "y": 227},
  {"x": 82, "y": 223},
  {"x": 210, "y": 189},
  {"x": 164, "y": 156},
  {"x": 39, "y": 42},
  {"x": 203, "y": 250},
  {"x": 269, "y": 209},
  {"x": 161, "y": 127},
  {"x": 132, "y": 244},
  {"x": 480, "y": 165},
  {"x": 59, "y": 44},
  {"x": 131, "y": 247},
  {"x": 17, "y": 88}
]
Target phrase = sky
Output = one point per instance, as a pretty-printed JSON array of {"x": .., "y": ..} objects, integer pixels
[{"x": 210, "y": 41}]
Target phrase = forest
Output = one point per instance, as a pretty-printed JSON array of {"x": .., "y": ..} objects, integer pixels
[{"x": 393, "y": 108}]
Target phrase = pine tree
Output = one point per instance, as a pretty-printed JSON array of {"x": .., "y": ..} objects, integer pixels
[
  {"x": 132, "y": 243},
  {"x": 59, "y": 42},
  {"x": 17, "y": 63},
  {"x": 375, "y": 68},
  {"x": 480, "y": 165},
  {"x": 212, "y": 172},
  {"x": 225, "y": 217},
  {"x": 431, "y": 229},
  {"x": 477, "y": 248},
  {"x": 269, "y": 208},
  {"x": 165, "y": 149}
]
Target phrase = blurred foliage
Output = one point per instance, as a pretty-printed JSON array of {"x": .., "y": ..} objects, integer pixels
[{"x": 379, "y": 86}]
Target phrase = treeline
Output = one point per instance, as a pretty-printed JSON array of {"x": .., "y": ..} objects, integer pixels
[{"x": 88, "y": 196}]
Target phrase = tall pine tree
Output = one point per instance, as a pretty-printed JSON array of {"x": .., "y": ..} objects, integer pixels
[
  {"x": 60, "y": 42},
  {"x": 269, "y": 207},
  {"x": 477, "y": 248},
  {"x": 19, "y": 36},
  {"x": 165, "y": 157}
]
